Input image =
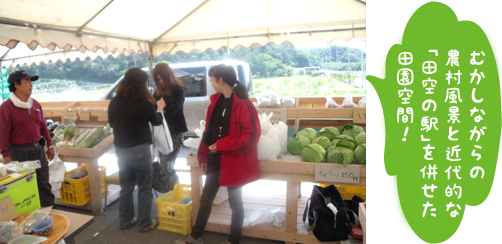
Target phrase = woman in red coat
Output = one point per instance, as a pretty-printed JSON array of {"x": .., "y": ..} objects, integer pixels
[{"x": 228, "y": 150}]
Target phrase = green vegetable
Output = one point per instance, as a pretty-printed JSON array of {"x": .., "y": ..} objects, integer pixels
[
  {"x": 92, "y": 139},
  {"x": 361, "y": 138},
  {"x": 351, "y": 130},
  {"x": 69, "y": 131},
  {"x": 329, "y": 132},
  {"x": 314, "y": 153},
  {"x": 81, "y": 138},
  {"x": 346, "y": 141},
  {"x": 360, "y": 153},
  {"x": 296, "y": 144},
  {"x": 323, "y": 141},
  {"x": 340, "y": 155},
  {"x": 310, "y": 133},
  {"x": 357, "y": 130}
]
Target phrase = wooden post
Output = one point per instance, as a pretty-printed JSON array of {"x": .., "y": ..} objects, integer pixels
[
  {"x": 94, "y": 184},
  {"x": 291, "y": 207},
  {"x": 196, "y": 182}
]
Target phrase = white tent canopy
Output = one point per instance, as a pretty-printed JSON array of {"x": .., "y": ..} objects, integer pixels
[{"x": 77, "y": 29}]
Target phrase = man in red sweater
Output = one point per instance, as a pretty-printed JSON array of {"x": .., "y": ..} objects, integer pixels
[{"x": 22, "y": 129}]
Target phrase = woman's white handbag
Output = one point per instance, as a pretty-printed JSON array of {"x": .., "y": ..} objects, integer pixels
[{"x": 162, "y": 137}]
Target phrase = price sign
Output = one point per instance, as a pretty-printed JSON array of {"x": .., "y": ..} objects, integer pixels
[
  {"x": 103, "y": 115},
  {"x": 85, "y": 114},
  {"x": 7, "y": 209},
  {"x": 279, "y": 114},
  {"x": 70, "y": 114},
  {"x": 337, "y": 173},
  {"x": 359, "y": 115}
]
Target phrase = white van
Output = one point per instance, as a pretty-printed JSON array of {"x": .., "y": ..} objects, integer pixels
[{"x": 195, "y": 77}]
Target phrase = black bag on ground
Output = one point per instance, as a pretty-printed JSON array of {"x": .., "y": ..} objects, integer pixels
[
  {"x": 324, "y": 224},
  {"x": 160, "y": 178}
]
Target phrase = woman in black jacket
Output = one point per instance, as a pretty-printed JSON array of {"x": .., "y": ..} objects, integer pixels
[
  {"x": 130, "y": 112},
  {"x": 170, "y": 88}
]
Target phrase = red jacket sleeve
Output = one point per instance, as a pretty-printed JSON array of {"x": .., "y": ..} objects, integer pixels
[{"x": 246, "y": 118}]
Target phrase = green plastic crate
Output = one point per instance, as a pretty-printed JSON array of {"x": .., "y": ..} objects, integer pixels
[{"x": 23, "y": 191}]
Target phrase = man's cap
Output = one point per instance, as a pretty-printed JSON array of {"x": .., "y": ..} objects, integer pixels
[{"x": 21, "y": 74}]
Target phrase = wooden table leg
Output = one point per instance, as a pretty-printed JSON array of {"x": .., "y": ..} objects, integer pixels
[
  {"x": 94, "y": 185},
  {"x": 196, "y": 184},
  {"x": 291, "y": 207}
]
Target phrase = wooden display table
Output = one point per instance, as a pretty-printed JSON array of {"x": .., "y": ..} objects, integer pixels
[
  {"x": 89, "y": 157},
  {"x": 293, "y": 173}
]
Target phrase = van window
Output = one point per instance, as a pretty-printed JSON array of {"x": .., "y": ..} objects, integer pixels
[
  {"x": 194, "y": 79},
  {"x": 245, "y": 78}
]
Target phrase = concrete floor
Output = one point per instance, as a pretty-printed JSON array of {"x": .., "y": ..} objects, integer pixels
[{"x": 105, "y": 228}]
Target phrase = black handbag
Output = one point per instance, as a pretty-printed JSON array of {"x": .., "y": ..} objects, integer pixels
[
  {"x": 160, "y": 178},
  {"x": 323, "y": 223}
]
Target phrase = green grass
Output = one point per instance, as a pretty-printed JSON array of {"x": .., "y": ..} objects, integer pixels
[{"x": 304, "y": 86}]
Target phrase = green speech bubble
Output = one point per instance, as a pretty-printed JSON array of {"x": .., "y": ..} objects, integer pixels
[{"x": 441, "y": 104}]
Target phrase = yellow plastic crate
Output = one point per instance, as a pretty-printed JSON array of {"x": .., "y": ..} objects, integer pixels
[
  {"x": 23, "y": 191},
  {"x": 76, "y": 191},
  {"x": 348, "y": 192},
  {"x": 175, "y": 217}
]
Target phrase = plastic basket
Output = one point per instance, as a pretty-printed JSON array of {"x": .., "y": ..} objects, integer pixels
[
  {"x": 76, "y": 191},
  {"x": 23, "y": 191},
  {"x": 348, "y": 192},
  {"x": 175, "y": 217}
]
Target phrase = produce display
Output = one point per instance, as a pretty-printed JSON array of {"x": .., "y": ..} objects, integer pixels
[
  {"x": 71, "y": 136},
  {"x": 331, "y": 145}
]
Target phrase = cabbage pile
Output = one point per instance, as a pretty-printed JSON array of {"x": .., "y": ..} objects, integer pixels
[{"x": 330, "y": 145}]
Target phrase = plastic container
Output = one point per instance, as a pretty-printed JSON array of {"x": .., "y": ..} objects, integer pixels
[
  {"x": 76, "y": 191},
  {"x": 173, "y": 216},
  {"x": 17, "y": 232},
  {"x": 22, "y": 190},
  {"x": 348, "y": 192},
  {"x": 43, "y": 227}
]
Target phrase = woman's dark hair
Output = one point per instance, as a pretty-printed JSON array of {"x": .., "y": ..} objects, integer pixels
[
  {"x": 227, "y": 74},
  {"x": 133, "y": 86},
  {"x": 171, "y": 82}
]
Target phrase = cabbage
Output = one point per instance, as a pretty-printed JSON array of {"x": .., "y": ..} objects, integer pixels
[
  {"x": 323, "y": 141},
  {"x": 346, "y": 141},
  {"x": 357, "y": 130},
  {"x": 313, "y": 153},
  {"x": 360, "y": 153},
  {"x": 296, "y": 144},
  {"x": 310, "y": 133},
  {"x": 351, "y": 130},
  {"x": 335, "y": 141},
  {"x": 330, "y": 132},
  {"x": 340, "y": 155},
  {"x": 361, "y": 138}
]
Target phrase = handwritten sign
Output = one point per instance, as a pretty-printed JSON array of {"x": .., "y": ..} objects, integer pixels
[
  {"x": 279, "y": 114},
  {"x": 70, "y": 114},
  {"x": 359, "y": 116},
  {"x": 85, "y": 114},
  {"x": 7, "y": 209},
  {"x": 103, "y": 115},
  {"x": 337, "y": 173}
]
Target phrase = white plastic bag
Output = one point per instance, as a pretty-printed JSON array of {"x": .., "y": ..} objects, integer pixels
[
  {"x": 269, "y": 145},
  {"x": 281, "y": 129},
  {"x": 266, "y": 217},
  {"x": 161, "y": 137},
  {"x": 262, "y": 102},
  {"x": 195, "y": 142},
  {"x": 330, "y": 103},
  {"x": 274, "y": 101},
  {"x": 362, "y": 103},
  {"x": 56, "y": 173},
  {"x": 265, "y": 122},
  {"x": 348, "y": 102},
  {"x": 288, "y": 102}
]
